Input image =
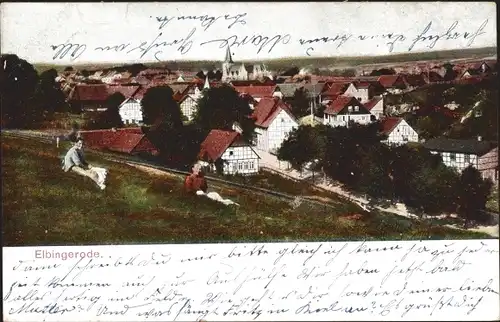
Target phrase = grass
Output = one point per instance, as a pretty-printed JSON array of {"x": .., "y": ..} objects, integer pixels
[
  {"x": 314, "y": 62},
  {"x": 43, "y": 205}
]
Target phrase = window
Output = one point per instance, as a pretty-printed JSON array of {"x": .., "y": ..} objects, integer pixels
[
  {"x": 349, "y": 109},
  {"x": 453, "y": 157},
  {"x": 231, "y": 153},
  {"x": 282, "y": 120},
  {"x": 467, "y": 158},
  {"x": 478, "y": 113},
  {"x": 240, "y": 165},
  {"x": 356, "y": 108},
  {"x": 251, "y": 165},
  {"x": 246, "y": 165}
]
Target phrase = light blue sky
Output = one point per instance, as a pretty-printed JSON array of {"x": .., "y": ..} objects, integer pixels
[{"x": 29, "y": 30}]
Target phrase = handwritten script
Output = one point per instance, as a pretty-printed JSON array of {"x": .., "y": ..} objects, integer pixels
[
  {"x": 394, "y": 280},
  {"x": 180, "y": 34}
]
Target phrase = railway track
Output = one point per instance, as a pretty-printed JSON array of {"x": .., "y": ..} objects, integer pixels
[{"x": 140, "y": 162}]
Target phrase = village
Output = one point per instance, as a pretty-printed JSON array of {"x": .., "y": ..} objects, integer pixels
[
  {"x": 334, "y": 101},
  {"x": 332, "y": 132}
]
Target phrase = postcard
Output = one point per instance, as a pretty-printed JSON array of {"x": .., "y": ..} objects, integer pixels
[{"x": 249, "y": 161}]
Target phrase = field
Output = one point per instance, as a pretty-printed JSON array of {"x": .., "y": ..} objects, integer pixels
[
  {"x": 316, "y": 62},
  {"x": 43, "y": 205}
]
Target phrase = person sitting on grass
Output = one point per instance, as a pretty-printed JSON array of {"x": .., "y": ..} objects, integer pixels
[
  {"x": 196, "y": 183},
  {"x": 196, "y": 180},
  {"x": 75, "y": 161}
]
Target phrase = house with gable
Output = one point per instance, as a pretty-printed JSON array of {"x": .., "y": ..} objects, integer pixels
[
  {"x": 260, "y": 91},
  {"x": 459, "y": 154},
  {"x": 332, "y": 91},
  {"x": 189, "y": 102},
  {"x": 397, "y": 131},
  {"x": 362, "y": 91},
  {"x": 228, "y": 149},
  {"x": 376, "y": 106},
  {"x": 273, "y": 121},
  {"x": 130, "y": 109},
  {"x": 392, "y": 83},
  {"x": 128, "y": 141},
  {"x": 345, "y": 109},
  {"x": 88, "y": 97}
]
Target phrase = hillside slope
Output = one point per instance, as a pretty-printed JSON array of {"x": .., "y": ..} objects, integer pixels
[{"x": 43, "y": 205}]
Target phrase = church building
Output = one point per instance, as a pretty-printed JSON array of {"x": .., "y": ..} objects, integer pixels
[{"x": 232, "y": 71}]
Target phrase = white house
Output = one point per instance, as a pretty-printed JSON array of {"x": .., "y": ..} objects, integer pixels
[
  {"x": 130, "y": 110},
  {"x": 376, "y": 106},
  {"x": 346, "y": 109},
  {"x": 188, "y": 103},
  {"x": 398, "y": 131},
  {"x": 459, "y": 154},
  {"x": 228, "y": 148},
  {"x": 362, "y": 91},
  {"x": 273, "y": 122}
]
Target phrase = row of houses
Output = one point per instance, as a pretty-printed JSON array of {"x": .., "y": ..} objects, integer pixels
[{"x": 239, "y": 157}]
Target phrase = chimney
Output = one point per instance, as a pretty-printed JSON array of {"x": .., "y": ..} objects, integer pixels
[{"x": 479, "y": 138}]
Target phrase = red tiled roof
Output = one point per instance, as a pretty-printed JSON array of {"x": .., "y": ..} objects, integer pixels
[
  {"x": 216, "y": 142},
  {"x": 129, "y": 143},
  {"x": 128, "y": 140},
  {"x": 127, "y": 91},
  {"x": 388, "y": 81},
  {"x": 371, "y": 103},
  {"x": 256, "y": 91},
  {"x": 340, "y": 103},
  {"x": 362, "y": 84},
  {"x": 267, "y": 109},
  {"x": 389, "y": 124},
  {"x": 336, "y": 89},
  {"x": 86, "y": 92}
]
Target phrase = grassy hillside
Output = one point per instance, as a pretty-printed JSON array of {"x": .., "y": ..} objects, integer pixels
[
  {"x": 43, "y": 205},
  {"x": 313, "y": 62}
]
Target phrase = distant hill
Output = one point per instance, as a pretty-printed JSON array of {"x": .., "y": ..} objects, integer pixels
[{"x": 312, "y": 62}]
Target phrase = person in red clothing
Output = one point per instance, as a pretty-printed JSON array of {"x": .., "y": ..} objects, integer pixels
[{"x": 196, "y": 180}]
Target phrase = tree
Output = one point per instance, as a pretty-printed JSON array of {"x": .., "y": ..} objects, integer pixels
[
  {"x": 349, "y": 72},
  {"x": 220, "y": 107},
  {"x": 304, "y": 144},
  {"x": 200, "y": 75},
  {"x": 158, "y": 106},
  {"x": 18, "y": 82},
  {"x": 291, "y": 71},
  {"x": 450, "y": 73},
  {"x": 49, "y": 97},
  {"x": 473, "y": 192},
  {"x": 383, "y": 71},
  {"x": 218, "y": 75},
  {"x": 211, "y": 75},
  {"x": 301, "y": 103},
  {"x": 163, "y": 115},
  {"x": 111, "y": 117}
]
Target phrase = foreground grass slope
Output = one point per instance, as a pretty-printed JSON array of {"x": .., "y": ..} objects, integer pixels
[{"x": 43, "y": 205}]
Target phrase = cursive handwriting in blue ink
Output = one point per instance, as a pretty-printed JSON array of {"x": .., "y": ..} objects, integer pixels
[
  {"x": 62, "y": 50},
  {"x": 185, "y": 45},
  {"x": 206, "y": 21},
  {"x": 450, "y": 34},
  {"x": 259, "y": 41}
]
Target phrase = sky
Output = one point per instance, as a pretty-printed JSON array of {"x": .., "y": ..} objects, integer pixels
[{"x": 38, "y": 32}]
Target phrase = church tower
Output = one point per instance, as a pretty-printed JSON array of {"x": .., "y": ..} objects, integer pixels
[{"x": 227, "y": 64}]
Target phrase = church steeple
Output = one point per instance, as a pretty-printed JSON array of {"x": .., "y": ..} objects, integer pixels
[
  {"x": 229, "y": 57},
  {"x": 207, "y": 84}
]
